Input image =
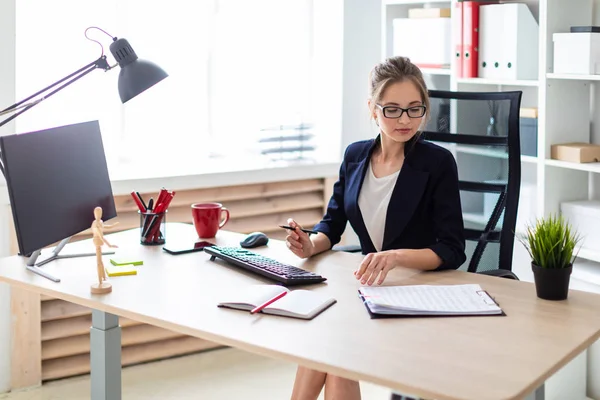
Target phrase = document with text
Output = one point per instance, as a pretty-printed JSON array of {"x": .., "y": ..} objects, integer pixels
[{"x": 467, "y": 299}]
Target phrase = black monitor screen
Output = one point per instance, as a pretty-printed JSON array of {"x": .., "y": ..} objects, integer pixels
[{"x": 55, "y": 178}]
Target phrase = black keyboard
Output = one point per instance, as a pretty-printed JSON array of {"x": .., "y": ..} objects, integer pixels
[{"x": 267, "y": 267}]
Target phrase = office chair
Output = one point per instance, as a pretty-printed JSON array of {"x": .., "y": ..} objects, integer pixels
[{"x": 482, "y": 131}]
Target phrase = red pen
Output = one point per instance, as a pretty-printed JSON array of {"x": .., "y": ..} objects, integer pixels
[
  {"x": 161, "y": 196},
  {"x": 154, "y": 233},
  {"x": 137, "y": 201},
  {"x": 259, "y": 308}
]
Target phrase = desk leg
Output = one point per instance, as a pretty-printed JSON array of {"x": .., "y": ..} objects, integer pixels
[
  {"x": 538, "y": 394},
  {"x": 105, "y": 356}
]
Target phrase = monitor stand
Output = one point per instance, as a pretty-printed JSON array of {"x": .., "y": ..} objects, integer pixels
[{"x": 34, "y": 267}]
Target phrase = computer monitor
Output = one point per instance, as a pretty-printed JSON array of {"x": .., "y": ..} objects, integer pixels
[{"x": 55, "y": 179}]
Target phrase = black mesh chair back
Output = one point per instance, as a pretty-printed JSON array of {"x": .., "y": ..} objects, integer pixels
[{"x": 482, "y": 130}]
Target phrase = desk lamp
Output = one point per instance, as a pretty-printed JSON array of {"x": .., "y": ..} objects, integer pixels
[{"x": 136, "y": 76}]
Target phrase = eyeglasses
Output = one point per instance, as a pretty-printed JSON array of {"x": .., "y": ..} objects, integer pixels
[{"x": 397, "y": 112}]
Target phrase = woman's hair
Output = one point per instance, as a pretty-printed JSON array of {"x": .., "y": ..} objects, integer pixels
[{"x": 393, "y": 70}]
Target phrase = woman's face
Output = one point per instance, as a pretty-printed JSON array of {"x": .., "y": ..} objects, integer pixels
[{"x": 400, "y": 111}]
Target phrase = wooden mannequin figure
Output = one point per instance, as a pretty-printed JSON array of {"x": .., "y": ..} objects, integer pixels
[{"x": 98, "y": 238}]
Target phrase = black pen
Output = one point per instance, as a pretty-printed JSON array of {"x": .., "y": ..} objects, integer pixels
[
  {"x": 303, "y": 230},
  {"x": 141, "y": 200}
]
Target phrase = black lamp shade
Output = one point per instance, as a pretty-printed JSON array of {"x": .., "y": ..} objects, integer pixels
[{"x": 136, "y": 75}]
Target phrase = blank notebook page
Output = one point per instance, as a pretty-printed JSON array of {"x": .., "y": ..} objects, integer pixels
[
  {"x": 301, "y": 302},
  {"x": 434, "y": 298},
  {"x": 254, "y": 295}
]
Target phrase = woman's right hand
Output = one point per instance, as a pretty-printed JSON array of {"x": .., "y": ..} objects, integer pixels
[{"x": 299, "y": 242}]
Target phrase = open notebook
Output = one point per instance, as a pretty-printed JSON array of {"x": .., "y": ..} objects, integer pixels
[
  {"x": 304, "y": 304},
  {"x": 429, "y": 300}
]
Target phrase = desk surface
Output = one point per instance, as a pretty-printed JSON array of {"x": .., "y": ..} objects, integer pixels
[{"x": 444, "y": 358}]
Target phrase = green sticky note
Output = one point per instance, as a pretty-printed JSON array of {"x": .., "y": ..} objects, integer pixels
[
  {"x": 125, "y": 261},
  {"x": 121, "y": 270}
]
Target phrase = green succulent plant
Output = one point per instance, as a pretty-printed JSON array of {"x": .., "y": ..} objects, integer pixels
[{"x": 551, "y": 242}]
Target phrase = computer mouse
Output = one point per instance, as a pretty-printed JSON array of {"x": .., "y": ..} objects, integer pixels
[{"x": 254, "y": 239}]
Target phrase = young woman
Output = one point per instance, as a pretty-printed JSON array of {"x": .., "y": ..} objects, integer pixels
[{"x": 400, "y": 195}]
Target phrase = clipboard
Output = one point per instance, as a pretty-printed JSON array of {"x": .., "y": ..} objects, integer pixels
[{"x": 380, "y": 316}]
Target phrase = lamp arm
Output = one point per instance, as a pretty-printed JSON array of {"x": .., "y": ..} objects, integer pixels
[
  {"x": 15, "y": 108},
  {"x": 99, "y": 63}
]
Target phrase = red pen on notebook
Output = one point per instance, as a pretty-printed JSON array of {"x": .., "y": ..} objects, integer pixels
[{"x": 258, "y": 308}]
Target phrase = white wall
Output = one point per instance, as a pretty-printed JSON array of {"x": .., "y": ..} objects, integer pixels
[
  {"x": 362, "y": 50},
  {"x": 7, "y": 56},
  {"x": 326, "y": 76},
  {"x": 7, "y": 97}
]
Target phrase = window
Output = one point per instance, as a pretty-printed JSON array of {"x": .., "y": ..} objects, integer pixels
[{"x": 235, "y": 67}]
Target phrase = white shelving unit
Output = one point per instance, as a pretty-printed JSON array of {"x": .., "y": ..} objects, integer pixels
[
  {"x": 469, "y": 157},
  {"x": 568, "y": 111},
  {"x": 496, "y": 82},
  {"x": 466, "y": 149},
  {"x": 412, "y": 2},
  {"x": 436, "y": 71},
  {"x": 564, "y": 102},
  {"x": 573, "y": 77},
  {"x": 588, "y": 167}
]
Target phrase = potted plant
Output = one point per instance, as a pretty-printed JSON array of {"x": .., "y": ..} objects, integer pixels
[{"x": 551, "y": 245}]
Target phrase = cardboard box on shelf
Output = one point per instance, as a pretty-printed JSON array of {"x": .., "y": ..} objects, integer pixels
[
  {"x": 528, "y": 112},
  {"x": 429, "y": 13},
  {"x": 575, "y": 152}
]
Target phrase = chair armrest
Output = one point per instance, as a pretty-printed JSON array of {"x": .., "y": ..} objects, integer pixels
[
  {"x": 502, "y": 273},
  {"x": 351, "y": 248}
]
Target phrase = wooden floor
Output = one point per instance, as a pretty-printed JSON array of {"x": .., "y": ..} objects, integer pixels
[{"x": 215, "y": 375}]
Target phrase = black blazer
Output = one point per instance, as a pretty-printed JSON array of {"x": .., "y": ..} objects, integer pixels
[{"x": 424, "y": 211}]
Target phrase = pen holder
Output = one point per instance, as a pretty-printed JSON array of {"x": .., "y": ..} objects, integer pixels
[{"x": 152, "y": 227}]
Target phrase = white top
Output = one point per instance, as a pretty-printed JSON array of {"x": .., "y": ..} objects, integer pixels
[{"x": 373, "y": 202}]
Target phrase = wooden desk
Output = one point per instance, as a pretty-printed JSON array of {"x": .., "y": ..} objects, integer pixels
[{"x": 442, "y": 358}]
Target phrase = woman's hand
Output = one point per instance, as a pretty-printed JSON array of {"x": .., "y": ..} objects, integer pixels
[
  {"x": 299, "y": 242},
  {"x": 375, "y": 267}
]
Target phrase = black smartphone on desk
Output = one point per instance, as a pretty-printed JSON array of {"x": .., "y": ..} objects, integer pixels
[{"x": 186, "y": 247}]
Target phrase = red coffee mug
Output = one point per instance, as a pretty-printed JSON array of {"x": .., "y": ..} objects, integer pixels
[{"x": 207, "y": 218}]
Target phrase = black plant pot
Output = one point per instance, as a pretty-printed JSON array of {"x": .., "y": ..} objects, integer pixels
[{"x": 552, "y": 283}]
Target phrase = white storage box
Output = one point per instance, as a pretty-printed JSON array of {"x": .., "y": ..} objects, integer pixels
[
  {"x": 577, "y": 53},
  {"x": 426, "y": 41},
  {"x": 584, "y": 216}
]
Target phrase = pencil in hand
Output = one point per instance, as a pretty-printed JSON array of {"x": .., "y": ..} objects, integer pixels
[{"x": 303, "y": 230}]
